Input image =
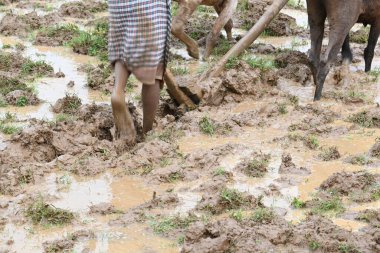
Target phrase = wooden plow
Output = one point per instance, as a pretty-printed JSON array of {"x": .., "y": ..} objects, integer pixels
[{"x": 182, "y": 98}]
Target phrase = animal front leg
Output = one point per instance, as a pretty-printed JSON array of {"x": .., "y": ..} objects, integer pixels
[
  {"x": 186, "y": 8},
  {"x": 372, "y": 42},
  {"x": 228, "y": 27},
  {"x": 224, "y": 16}
]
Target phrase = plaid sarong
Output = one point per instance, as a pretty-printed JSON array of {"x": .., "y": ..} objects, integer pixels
[{"x": 139, "y": 36}]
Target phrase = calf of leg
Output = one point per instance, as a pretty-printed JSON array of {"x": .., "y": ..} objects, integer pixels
[
  {"x": 338, "y": 33},
  {"x": 186, "y": 8},
  {"x": 150, "y": 99},
  {"x": 317, "y": 16},
  {"x": 346, "y": 50},
  {"x": 224, "y": 16},
  {"x": 123, "y": 120},
  {"x": 372, "y": 42},
  {"x": 228, "y": 27}
]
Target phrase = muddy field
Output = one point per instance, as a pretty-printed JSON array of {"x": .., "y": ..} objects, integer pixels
[{"x": 257, "y": 167}]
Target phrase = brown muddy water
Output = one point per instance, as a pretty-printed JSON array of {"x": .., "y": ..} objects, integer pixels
[{"x": 193, "y": 151}]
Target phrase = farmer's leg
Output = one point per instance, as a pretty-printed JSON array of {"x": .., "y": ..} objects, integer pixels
[
  {"x": 150, "y": 99},
  {"x": 125, "y": 128}
]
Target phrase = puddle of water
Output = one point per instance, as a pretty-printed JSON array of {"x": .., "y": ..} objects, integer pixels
[
  {"x": 188, "y": 201},
  {"x": 51, "y": 89},
  {"x": 305, "y": 94},
  {"x": 350, "y": 225},
  {"x": 133, "y": 238},
  {"x": 251, "y": 137},
  {"x": 364, "y": 206},
  {"x": 300, "y": 16}
]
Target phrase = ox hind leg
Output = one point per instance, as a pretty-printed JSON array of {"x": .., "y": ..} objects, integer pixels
[
  {"x": 186, "y": 8},
  {"x": 229, "y": 7},
  {"x": 228, "y": 27},
  {"x": 317, "y": 17},
  {"x": 341, "y": 19},
  {"x": 372, "y": 41}
]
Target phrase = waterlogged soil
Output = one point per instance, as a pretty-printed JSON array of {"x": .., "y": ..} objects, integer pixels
[{"x": 257, "y": 167}]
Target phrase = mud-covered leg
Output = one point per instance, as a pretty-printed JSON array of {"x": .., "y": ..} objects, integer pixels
[
  {"x": 125, "y": 128},
  {"x": 224, "y": 16},
  {"x": 372, "y": 42},
  {"x": 185, "y": 10},
  {"x": 150, "y": 100},
  {"x": 346, "y": 50},
  {"x": 317, "y": 16},
  {"x": 228, "y": 27}
]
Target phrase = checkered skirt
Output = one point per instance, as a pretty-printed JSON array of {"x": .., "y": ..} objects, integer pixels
[{"x": 139, "y": 32}]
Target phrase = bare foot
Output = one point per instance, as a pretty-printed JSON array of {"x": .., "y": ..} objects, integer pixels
[{"x": 125, "y": 128}]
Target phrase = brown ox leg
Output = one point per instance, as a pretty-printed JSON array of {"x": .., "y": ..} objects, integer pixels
[
  {"x": 228, "y": 27},
  {"x": 341, "y": 19},
  {"x": 372, "y": 42},
  {"x": 186, "y": 8},
  {"x": 229, "y": 7}
]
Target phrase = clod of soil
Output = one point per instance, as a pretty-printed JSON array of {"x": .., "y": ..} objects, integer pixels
[
  {"x": 67, "y": 244},
  {"x": 83, "y": 9},
  {"x": 100, "y": 78},
  {"x": 69, "y": 104},
  {"x": 22, "y": 98},
  {"x": 57, "y": 35},
  {"x": 256, "y": 166},
  {"x": 228, "y": 235},
  {"x": 103, "y": 209},
  {"x": 370, "y": 216},
  {"x": 345, "y": 183},
  {"x": 367, "y": 118},
  {"x": 225, "y": 199},
  {"x": 282, "y": 24},
  {"x": 329, "y": 153},
  {"x": 12, "y": 24},
  {"x": 288, "y": 167},
  {"x": 360, "y": 36}
]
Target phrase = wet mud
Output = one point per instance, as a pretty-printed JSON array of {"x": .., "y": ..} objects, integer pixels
[{"x": 257, "y": 167}]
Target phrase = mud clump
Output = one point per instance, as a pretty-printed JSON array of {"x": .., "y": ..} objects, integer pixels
[
  {"x": 234, "y": 85},
  {"x": 225, "y": 199},
  {"x": 56, "y": 36},
  {"x": 21, "y": 98},
  {"x": 294, "y": 66},
  {"x": 228, "y": 235},
  {"x": 82, "y": 10},
  {"x": 375, "y": 150},
  {"x": 256, "y": 166},
  {"x": 345, "y": 183},
  {"x": 291, "y": 58},
  {"x": 282, "y": 24},
  {"x": 370, "y": 216},
  {"x": 14, "y": 25},
  {"x": 103, "y": 209},
  {"x": 67, "y": 244},
  {"x": 360, "y": 36},
  {"x": 368, "y": 118},
  {"x": 288, "y": 166},
  {"x": 100, "y": 78},
  {"x": 329, "y": 153},
  {"x": 69, "y": 104}
]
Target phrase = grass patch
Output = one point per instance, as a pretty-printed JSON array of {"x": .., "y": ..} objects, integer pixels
[
  {"x": 296, "y": 4},
  {"x": 312, "y": 142},
  {"x": 362, "y": 119},
  {"x": 260, "y": 63},
  {"x": 263, "y": 215},
  {"x": 314, "y": 245},
  {"x": 360, "y": 160},
  {"x": 232, "y": 199},
  {"x": 45, "y": 214},
  {"x": 297, "y": 203},
  {"x": 37, "y": 68},
  {"x": 347, "y": 248},
  {"x": 258, "y": 166},
  {"x": 207, "y": 126},
  {"x": 232, "y": 63},
  {"x": 375, "y": 73},
  {"x": 330, "y": 153},
  {"x": 237, "y": 215},
  {"x": 282, "y": 109},
  {"x": 180, "y": 70},
  {"x": 329, "y": 206},
  {"x": 93, "y": 43},
  {"x": 222, "y": 48},
  {"x": 220, "y": 171},
  {"x": 164, "y": 225},
  {"x": 22, "y": 101}
]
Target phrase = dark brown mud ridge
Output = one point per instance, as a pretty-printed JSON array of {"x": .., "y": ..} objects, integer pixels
[
  {"x": 22, "y": 25},
  {"x": 82, "y": 9},
  {"x": 56, "y": 36},
  {"x": 282, "y": 24},
  {"x": 16, "y": 72},
  {"x": 359, "y": 186},
  {"x": 274, "y": 233}
]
